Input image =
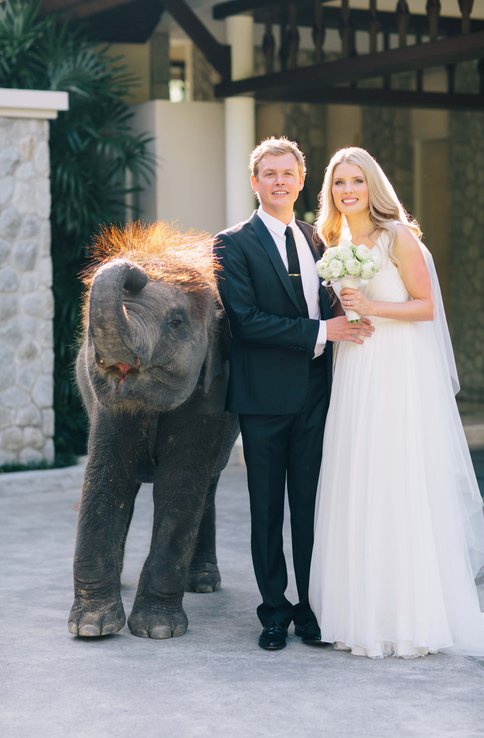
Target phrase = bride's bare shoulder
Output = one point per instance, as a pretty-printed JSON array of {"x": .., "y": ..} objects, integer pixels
[{"x": 405, "y": 239}]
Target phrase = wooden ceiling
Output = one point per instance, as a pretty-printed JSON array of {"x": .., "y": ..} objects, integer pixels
[
  {"x": 113, "y": 21},
  {"x": 374, "y": 44}
]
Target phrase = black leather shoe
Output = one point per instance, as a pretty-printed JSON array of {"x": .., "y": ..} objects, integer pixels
[
  {"x": 309, "y": 633},
  {"x": 273, "y": 636}
]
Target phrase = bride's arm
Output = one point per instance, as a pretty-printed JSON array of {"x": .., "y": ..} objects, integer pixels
[{"x": 415, "y": 276}]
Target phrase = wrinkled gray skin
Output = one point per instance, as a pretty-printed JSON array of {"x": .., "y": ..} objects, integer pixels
[{"x": 152, "y": 373}]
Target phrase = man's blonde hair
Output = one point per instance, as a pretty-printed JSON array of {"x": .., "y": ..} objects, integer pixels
[{"x": 276, "y": 147}]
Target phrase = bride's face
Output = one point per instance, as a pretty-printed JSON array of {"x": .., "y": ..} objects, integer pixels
[{"x": 350, "y": 189}]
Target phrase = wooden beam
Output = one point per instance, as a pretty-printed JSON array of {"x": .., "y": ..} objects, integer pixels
[
  {"x": 112, "y": 21},
  {"x": 216, "y": 53},
  {"x": 344, "y": 71},
  {"x": 418, "y": 22},
  {"x": 226, "y": 9},
  {"x": 380, "y": 97},
  {"x": 81, "y": 8}
]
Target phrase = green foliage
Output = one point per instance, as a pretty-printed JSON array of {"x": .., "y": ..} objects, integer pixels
[
  {"x": 92, "y": 149},
  {"x": 59, "y": 462}
]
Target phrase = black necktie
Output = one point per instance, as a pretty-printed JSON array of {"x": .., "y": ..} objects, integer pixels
[{"x": 295, "y": 271}]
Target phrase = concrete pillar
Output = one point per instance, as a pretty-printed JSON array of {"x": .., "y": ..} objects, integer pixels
[{"x": 239, "y": 123}]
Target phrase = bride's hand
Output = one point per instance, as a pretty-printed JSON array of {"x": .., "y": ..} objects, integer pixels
[{"x": 355, "y": 300}]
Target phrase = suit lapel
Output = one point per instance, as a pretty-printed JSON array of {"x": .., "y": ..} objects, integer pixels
[{"x": 272, "y": 252}]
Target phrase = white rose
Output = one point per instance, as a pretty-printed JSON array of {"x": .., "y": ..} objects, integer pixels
[
  {"x": 353, "y": 267},
  {"x": 322, "y": 269},
  {"x": 362, "y": 252},
  {"x": 344, "y": 252},
  {"x": 368, "y": 269},
  {"x": 376, "y": 259},
  {"x": 336, "y": 268},
  {"x": 329, "y": 254}
]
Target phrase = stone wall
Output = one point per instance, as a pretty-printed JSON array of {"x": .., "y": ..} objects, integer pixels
[
  {"x": 387, "y": 135},
  {"x": 204, "y": 77},
  {"x": 466, "y": 167},
  {"x": 26, "y": 301}
]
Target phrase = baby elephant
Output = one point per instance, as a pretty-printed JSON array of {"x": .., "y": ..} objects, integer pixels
[{"x": 152, "y": 371}]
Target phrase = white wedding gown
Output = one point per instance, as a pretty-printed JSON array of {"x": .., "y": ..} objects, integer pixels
[{"x": 399, "y": 530}]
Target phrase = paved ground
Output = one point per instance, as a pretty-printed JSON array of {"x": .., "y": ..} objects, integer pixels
[{"x": 214, "y": 681}]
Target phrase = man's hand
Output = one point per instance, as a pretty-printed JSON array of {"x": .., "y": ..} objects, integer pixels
[{"x": 340, "y": 329}]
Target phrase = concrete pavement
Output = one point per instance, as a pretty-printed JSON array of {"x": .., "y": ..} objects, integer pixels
[{"x": 214, "y": 681}]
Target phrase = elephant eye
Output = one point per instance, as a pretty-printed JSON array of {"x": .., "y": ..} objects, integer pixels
[{"x": 175, "y": 322}]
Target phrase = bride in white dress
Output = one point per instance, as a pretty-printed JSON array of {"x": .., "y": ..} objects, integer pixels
[{"x": 399, "y": 530}]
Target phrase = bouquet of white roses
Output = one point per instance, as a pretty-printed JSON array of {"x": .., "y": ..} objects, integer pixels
[{"x": 350, "y": 265}]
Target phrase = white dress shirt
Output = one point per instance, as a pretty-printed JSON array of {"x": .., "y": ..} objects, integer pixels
[{"x": 309, "y": 277}]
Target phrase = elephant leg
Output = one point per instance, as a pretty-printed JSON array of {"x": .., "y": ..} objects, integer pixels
[
  {"x": 107, "y": 502},
  {"x": 97, "y": 608},
  {"x": 124, "y": 535},
  {"x": 179, "y": 503},
  {"x": 204, "y": 574}
]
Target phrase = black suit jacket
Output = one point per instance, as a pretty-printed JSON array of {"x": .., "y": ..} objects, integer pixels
[{"x": 272, "y": 344}]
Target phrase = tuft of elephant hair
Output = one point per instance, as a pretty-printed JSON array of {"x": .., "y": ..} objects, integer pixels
[{"x": 185, "y": 259}]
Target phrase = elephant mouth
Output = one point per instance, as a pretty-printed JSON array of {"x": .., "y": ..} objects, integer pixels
[
  {"x": 119, "y": 372},
  {"x": 122, "y": 379}
]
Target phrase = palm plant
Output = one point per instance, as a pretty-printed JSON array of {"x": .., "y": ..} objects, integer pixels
[{"x": 93, "y": 154}]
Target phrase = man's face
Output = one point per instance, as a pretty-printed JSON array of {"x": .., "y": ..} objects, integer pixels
[{"x": 278, "y": 184}]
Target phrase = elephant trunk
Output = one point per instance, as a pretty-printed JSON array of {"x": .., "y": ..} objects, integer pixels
[{"x": 115, "y": 340}]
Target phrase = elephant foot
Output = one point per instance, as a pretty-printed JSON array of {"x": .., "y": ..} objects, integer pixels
[
  {"x": 151, "y": 618},
  {"x": 90, "y": 618},
  {"x": 203, "y": 577}
]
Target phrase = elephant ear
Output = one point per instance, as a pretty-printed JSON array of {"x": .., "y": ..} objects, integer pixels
[{"x": 217, "y": 352}]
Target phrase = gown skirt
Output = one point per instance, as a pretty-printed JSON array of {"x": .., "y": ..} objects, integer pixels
[{"x": 399, "y": 531}]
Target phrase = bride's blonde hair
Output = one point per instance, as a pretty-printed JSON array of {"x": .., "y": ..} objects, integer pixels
[{"x": 386, "y": 210}]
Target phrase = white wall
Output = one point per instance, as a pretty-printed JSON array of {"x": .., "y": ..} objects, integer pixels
[{"x": 189, "y": 187}]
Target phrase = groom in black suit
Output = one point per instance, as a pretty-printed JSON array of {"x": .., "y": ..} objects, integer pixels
[{"x": 280, "y": 377}]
